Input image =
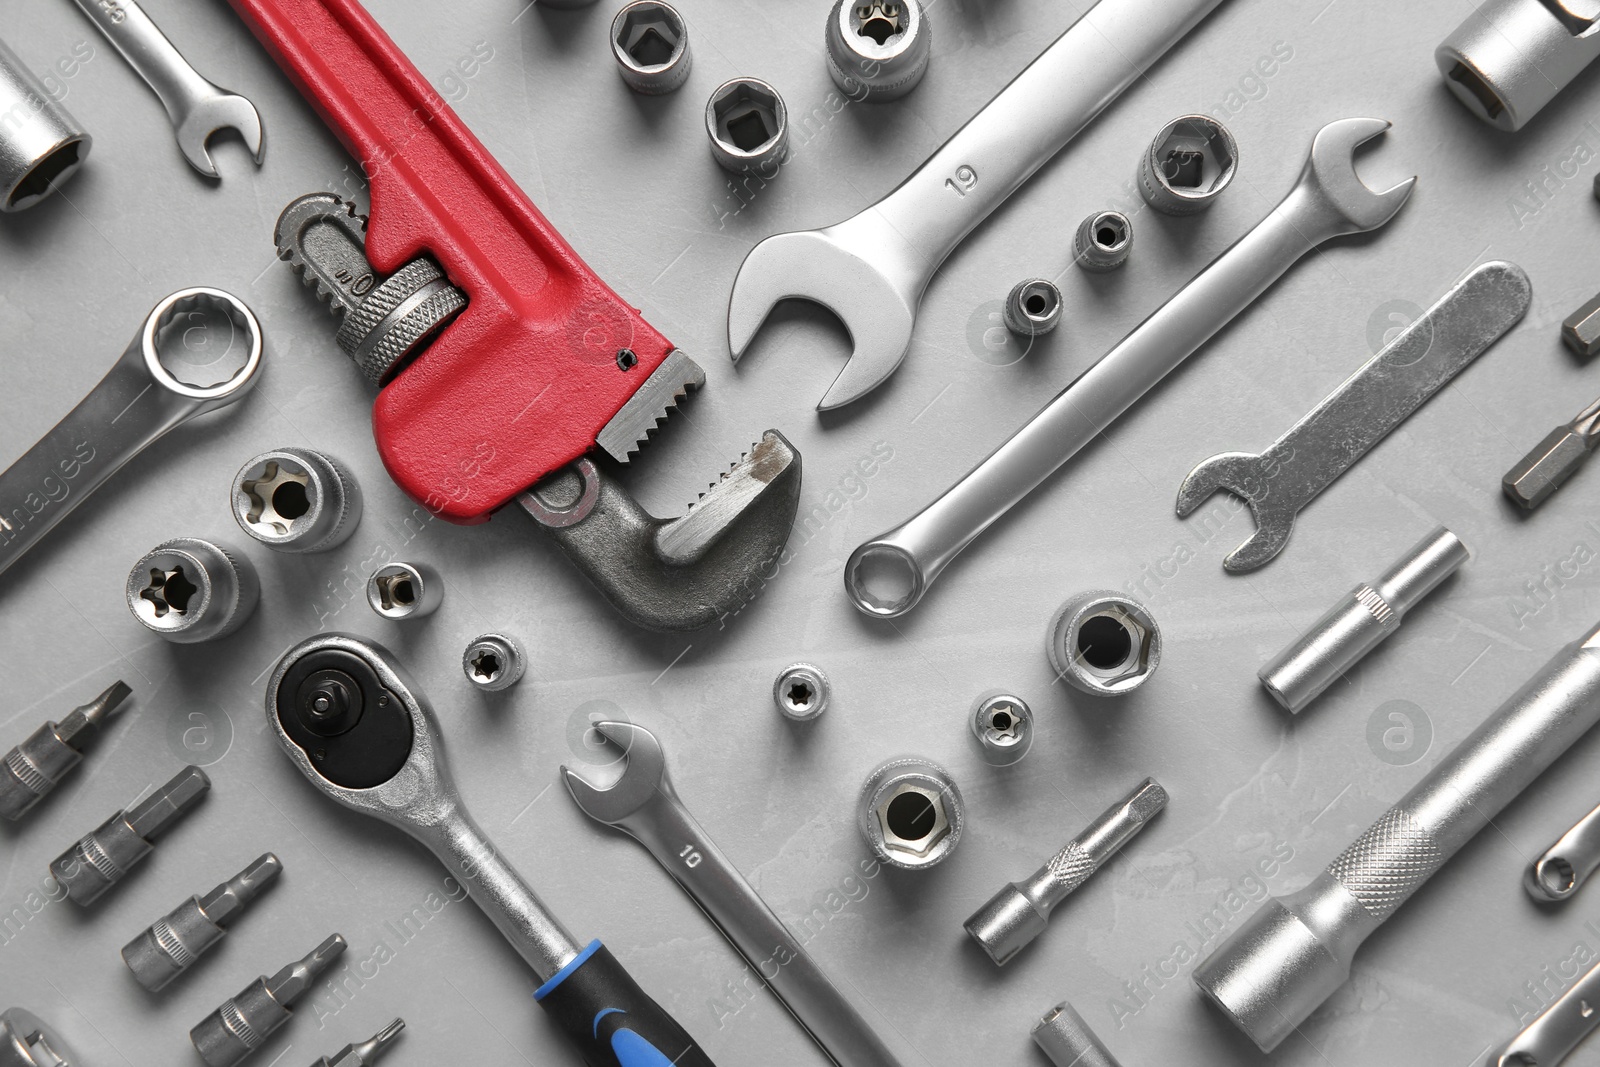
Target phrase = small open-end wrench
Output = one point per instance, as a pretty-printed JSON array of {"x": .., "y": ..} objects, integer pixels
[
  {"x": 354, "y": 724},
  {"x": 1556, "y": 1031},
  {"x": 1278, "y": 482},
  {"x": 134, "y": 404},
  {"x": 872, "y": 269},
  {"x": 644, "y": 804},
  {"x": 1566, "y": 865},
  {"x": 196, "y": 108},
  {"x": 889, "y": 574}
]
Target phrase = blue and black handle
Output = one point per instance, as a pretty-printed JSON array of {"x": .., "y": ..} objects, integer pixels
[{"x": 611, "y": 1020}]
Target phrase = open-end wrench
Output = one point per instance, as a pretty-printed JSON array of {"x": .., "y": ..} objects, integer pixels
[
  {"x": 134, "y": 404},
  {"x": 195, "y": 107},
  {"x": 872, "y": 269},
  {"x": 889, "y": 574},
  {"x": 1281, "y": 480},
  {"x": 1556, "y": 1031},
  {"x": 643, "y": 803},
  {"x": 355, "y": 725},
  {"x": 1563, "y": 867}
]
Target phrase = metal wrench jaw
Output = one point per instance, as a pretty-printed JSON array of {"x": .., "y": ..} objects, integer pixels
[
  {"x": 644, "y": 776},
  {"x": 208, "y": 115},
  {"x": 1247, "y": 476},
  {"x": 1331, "y": 171},
  {"x": 878, "y": 307}
]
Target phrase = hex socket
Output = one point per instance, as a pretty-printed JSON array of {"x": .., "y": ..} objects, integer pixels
[
  {"x": 650, "y": 41},
  {"x": 1188, "y": 165},
  {"x": 1360, "y": 621},
  {"x": 1510, "y": 58},
  {"x": 1033, "y": 307},
  {"x": 41, "y": 144},
  {"x": 911, "y": 813},
  {"x": 748, "y": 124},
  {"x": 1103, "y": 643},
  {"x": 1102, "y": 241}
]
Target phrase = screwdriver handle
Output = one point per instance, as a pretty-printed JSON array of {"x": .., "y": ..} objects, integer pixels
[{"x": 613, "y": 1021}]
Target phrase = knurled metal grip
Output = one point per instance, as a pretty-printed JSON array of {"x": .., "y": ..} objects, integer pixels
[{"x": 1388, "y": 863}]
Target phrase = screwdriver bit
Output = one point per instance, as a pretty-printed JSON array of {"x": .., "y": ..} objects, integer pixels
[
  {"x": 243, "y": 1024},
  {"x": 175, "y": 942},
  {"x": 366, "y": 1053},
  {"x": 105, "y": 856},
  {"x": 1555, "y": 459},
  {"x": 1018, "y": 913},
  {"x": 33, "y": 768}
]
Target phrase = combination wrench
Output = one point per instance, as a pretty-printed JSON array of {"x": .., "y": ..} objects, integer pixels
[
  {"x": 872, "y": 269},
  {"x": 889, "y": 574},
  {"x": 195, "y": 107},
  {"x": 138, "y": 401},
  {"x": 1562, "y": 869},
  {"x": 355, "y": 725},
  {"x": 1556, "y": 1031},
  {"x": 644, "y": 803},
  {"x": 1280, "y": 481}
]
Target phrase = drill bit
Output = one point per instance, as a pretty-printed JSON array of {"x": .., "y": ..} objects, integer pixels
[
  {"x": 243, "y": 1024},
  {"x": 1555, "y": 459},
  {"x": 366, "y": 1053},
  {"x": 31, "y": 770},
  {"x": 104, "y": 857},
  {"x": 175, "y": 942}
]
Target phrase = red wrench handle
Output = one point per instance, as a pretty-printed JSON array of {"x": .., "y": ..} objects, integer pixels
[{"x": 527, "y": 376}]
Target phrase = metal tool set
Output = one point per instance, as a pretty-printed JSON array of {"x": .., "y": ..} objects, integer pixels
[{"x": 507, "y": 378}]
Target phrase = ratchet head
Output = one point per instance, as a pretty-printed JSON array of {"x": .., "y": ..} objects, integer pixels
[
  {"x": 1331, "y": 173},
  {"x": 218, "y": 111},
  {"x": 644, "y": 776},
  {"x": 814, "y": 265},
  {"x": 1247, "y": 476}
]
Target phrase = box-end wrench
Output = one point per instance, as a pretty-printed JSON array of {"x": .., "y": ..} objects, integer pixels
[
  {"x": 1383, "y": 392},
  {"x": 355, "y": 725},
  {"x": 643, "y": 803},
  {"x": 134, "y": 404},
  {"x": 872, "y": 269},
  {"x": 1295, "y": 951},
  {"x": 1566, "y": 865},
  {"x": 889, "y": 574},
  {"x": 195, "y": 107},
  {"x": 1556, "y": 1031}
]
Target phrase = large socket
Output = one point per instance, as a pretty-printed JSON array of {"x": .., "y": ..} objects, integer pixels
[{"x": 41, "y": 144}]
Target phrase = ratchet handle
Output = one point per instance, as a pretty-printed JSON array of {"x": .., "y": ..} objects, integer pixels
[{"x": 611, "y": 1020}]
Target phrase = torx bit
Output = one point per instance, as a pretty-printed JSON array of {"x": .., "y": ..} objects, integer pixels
[
  {"x": 105, "y": 856},
  {"x": 243, "y": 1024},
  {"x": 33, "y": 768},
  {"x": 1555, "y": 459},
  {"x": 366, "y": 1053},
  {"x": 1019, "y": 912},
  {"x": 176, "y": 941}
]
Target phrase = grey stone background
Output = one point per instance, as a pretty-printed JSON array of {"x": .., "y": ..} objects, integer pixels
[{"x": 1260, "y": 803}]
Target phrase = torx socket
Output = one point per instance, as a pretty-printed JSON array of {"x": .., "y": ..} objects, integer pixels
[
  {"x": 1067, "y": 1040},
  {"x": 1542, "y": 471},
  {"x": 31, "y": 770},
  {"x": 493, "y": 662},
  {"x": 176, "y": 941},
  {"x": 189, "y": 590},
  {"x": 243, "y": 1024},
  {"x": 1360, "y": 621},
  {"x": 296, "y": 499},
  {"x": 41, "y": 144},
  {"x": 1295, "y": 951},
  {"x": 877, "y": 50},
  {"x": 1019, "y": 912},
  {"x": 105, "y": 856},
  {"x": 367, "y": 1052},
  {"x": 1002, "y": 726}
]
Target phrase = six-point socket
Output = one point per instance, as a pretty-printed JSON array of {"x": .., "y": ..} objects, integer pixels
[
  {"x": 749, "y": 127},
  {"x": 911, "y": 813},
  {"x": 1104, "y": 643},
  {"x": 651, "y": 43},
  {"x": 1187, "y": 166}
]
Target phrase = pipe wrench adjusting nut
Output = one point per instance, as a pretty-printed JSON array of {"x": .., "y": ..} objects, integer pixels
[
  {"x": 651, "y": 43},
  {"x": 189, "y": 590},
  {"x": 877, "y": 49},
  {"x": 911, "y": 813},
  {"x": 1188, "y": 165},
  {"x": 296, "y": 500},
  {"x": 749, "y": 127},
  {"x": 1104, "y": 644}
]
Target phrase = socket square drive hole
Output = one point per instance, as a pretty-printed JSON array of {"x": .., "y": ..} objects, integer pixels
[
  {"x": 879, "y": 21},
  {"x": 396, "y": 591},
  {"x": 652, "y": 34},
  {"x": 1195, "y": 156},
  {"x": 747, "y": 117}
]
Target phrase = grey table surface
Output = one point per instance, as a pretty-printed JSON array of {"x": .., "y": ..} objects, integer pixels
[{"x": 630, "y": 183}]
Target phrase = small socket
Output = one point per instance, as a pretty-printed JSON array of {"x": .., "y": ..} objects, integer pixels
[
  {"x": 1188, "y": 165},
  {"x": 749, "y": 127},
  {"x": 1104, "y": 643},
  {"x": 242, "y": 1024},
  {"x": 911, "y": 813},
  {"x": 1064, "y": 1037},
  {"x": 801, "y": 692},
  {"x": 41, "y": 144},
  {"x": 31, "y": 770},
  {"x": 405, "y": 591},
  {"x": 1103, "y": 241},
  {"x": 189, "y": 590},
  {"x": 28, "y": 1041},
  {"x": 877, "y": 50},
  {"x": 493, "y": 662},
  {"x": 296, "y": 500},
  {"x": 105, "y": 856},
  {"x": 1033, "y": 308},
  {"x": 176, "y": 941},
  {"x": 1002, "y": 725},
  {"x": 651, "y": 43}
]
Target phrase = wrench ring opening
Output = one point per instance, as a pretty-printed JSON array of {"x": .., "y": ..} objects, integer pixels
[
  {"x": 884, "y": 580},
  {"x": 1555, "y": 877},
  {"x": 171, "y": 313}
]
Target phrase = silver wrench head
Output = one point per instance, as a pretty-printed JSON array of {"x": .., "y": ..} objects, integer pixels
[
  {"x": 1331, "y": 168},
  {"x": 813, "y": 265},
  {"x": 217, "y": 112},
  {"x": 1247, "y": 476},
  {"x": 644, "y": 776}
]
